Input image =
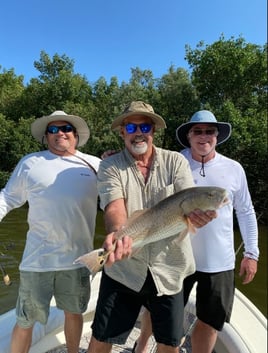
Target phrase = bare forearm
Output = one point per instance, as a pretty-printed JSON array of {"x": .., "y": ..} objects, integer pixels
[{"x": 115, "y": 215}]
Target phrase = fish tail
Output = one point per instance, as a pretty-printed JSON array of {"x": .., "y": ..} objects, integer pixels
[{"x": 94, "y": 260}]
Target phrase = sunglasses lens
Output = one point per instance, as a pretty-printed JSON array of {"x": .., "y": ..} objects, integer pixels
[
  {"x": 198, "y": 132},
  {"x": 132, "y": 128},
  {"x": 52, "y": 129},
  {"x": 210, "y": 132},
  {"x": 66, "y": 128},
  {"x": 145, "y": 128}
]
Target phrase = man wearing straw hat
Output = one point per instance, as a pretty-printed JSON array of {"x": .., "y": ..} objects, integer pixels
[
  {"x": 213, "y": 245},
  {"x": 59, "y": 185},
  {"x": 137, "y": 178}
]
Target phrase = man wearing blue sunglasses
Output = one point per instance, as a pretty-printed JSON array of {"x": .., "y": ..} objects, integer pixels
[
  {"x": 136, "y": 178},
  {"x": 60, "y": 186}
]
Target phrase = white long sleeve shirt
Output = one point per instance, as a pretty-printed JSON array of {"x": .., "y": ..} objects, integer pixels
[
  {"x": 62, "y": 197},
  {"x": 213, "y": 244}
]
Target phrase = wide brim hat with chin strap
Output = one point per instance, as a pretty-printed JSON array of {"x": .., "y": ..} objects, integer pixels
[
  {"x": 203, "y": 117},
  {"x": 139, "y": 108},
  {"x": 39, "y": 126}
]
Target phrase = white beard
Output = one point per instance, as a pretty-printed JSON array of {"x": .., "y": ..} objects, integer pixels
[{"x": 139, "y": 149}]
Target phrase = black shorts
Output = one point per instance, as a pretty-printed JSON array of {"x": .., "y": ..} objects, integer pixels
[
  {"x": 214, "y": 296},
  {"x": 118, "y": 308}
]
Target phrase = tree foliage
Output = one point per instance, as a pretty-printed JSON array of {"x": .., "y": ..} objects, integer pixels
[
  {"x": 229, "y": 70},
  {"x": 229, "y": 77}
]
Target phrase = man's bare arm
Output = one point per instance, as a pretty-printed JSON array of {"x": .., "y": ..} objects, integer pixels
[{"x": 115, "y": 217}]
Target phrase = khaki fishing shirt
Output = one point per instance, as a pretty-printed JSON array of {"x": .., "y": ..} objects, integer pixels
[{"x": 168, "y": 260}]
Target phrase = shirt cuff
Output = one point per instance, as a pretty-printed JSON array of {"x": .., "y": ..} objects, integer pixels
[{"x": 250, "y": 255}]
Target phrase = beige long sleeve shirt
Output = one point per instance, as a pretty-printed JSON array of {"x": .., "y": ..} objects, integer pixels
[{"x": 168, "y": 260}]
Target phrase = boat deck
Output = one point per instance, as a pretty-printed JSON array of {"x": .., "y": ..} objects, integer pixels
[
  {"x": 246, "y": 333},
  {"x": 127, "y": 348}
]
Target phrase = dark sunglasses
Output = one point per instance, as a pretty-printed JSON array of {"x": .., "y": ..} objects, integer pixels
[
  {"x": 131, "y": 128},
  {"x": 52, "y": 129},
  {"x": 211, "y": 131}
]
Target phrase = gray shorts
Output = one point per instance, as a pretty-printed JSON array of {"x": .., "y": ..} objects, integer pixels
[
  {"x": 71, "y": 290},
  {"x": 214, "y": 296}
]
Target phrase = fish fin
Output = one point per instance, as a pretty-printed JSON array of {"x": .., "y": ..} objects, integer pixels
[
  {"x": 94, "y": 260},
  {"x": 190, "y": 227},
  {"x": 183, "y": 234}
]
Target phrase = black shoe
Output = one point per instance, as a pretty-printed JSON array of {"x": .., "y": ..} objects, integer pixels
[{"x": 134, "y": 347}]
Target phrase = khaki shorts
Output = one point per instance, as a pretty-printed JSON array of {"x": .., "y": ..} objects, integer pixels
[{"x": 71, "y": 290}]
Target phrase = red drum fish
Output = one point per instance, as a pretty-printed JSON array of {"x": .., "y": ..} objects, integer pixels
[{"x": 166, "y": 219}]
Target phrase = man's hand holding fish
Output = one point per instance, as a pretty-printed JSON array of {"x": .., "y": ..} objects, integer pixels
[
  {"x": 118, "y": 249},
  {"x": 200, "y": 218}
]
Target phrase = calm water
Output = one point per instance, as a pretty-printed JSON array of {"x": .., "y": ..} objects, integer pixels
[{"x": 13, "y": 229}]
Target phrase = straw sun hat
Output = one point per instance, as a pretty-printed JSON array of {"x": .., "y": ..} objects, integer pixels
[
  {"x": 39, "y": 126},
  {"x": 139, "y": 108}
]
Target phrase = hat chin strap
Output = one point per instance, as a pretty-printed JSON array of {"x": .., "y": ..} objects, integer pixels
[
  {"x": 203, "y": 156},
  {"x": 202, "y": 169},
  {"x": 77, "y": 140},
  {"x": 44, "y": 140}
]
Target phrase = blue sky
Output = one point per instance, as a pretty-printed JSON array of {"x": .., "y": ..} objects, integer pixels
[{"x": 109, "y": 37}]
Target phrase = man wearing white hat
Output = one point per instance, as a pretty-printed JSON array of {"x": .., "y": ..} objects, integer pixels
[
  {"x": 59, "y": 185},
  {"x": 213, "y": 244}
]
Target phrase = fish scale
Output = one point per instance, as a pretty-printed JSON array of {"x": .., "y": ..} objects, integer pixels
[{"x": 152, "y": 231}]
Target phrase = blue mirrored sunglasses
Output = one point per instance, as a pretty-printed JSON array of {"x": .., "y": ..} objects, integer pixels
[
  {"x": 53, "y": 129},
  {"x": 131, "y": 128}
]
